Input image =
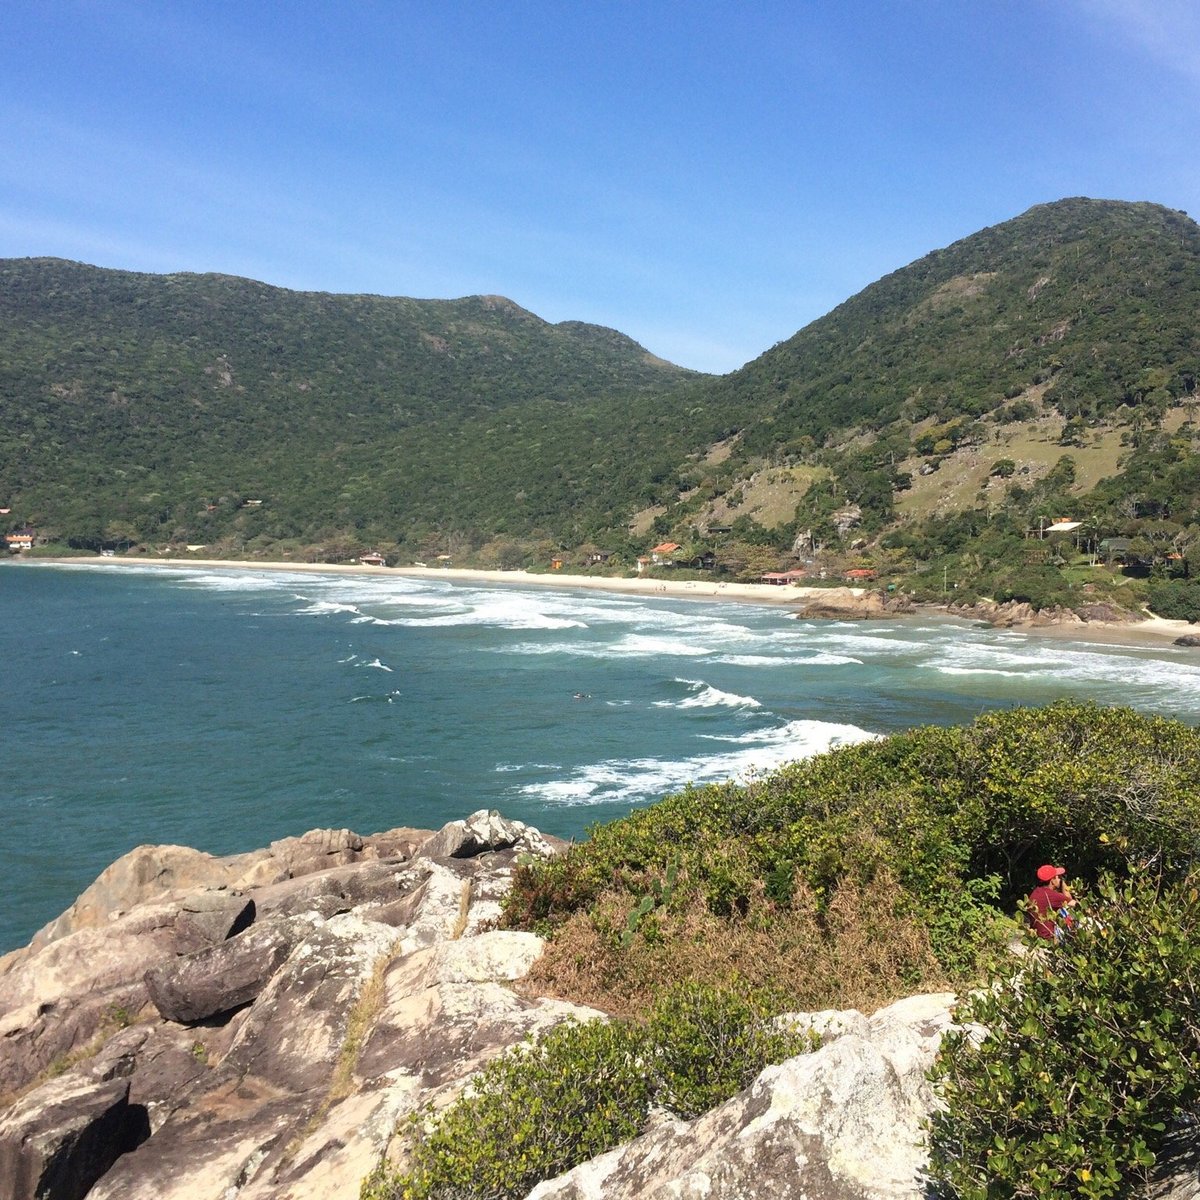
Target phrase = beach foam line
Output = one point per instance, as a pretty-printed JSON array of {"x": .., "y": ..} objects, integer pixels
[{"x": 1152, "y": 632}]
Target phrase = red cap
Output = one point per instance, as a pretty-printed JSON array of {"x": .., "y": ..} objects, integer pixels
[{"x": 1047, "y": 873}]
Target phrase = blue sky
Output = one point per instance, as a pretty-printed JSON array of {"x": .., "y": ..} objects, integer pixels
[{"x": 707, "y": 177}]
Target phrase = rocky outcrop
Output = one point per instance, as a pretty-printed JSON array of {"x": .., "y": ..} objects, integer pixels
[
  {"x": 226, "y": 976},
  {"x": 842, "y": 1123},
  {"x": 281, "y": 1013},
  {"x": 849, "y": 604},
  {"x": 200, "y": 1028},
  {"x": 61, "y": 1140},
  {"x": 1016, "y": 614}
]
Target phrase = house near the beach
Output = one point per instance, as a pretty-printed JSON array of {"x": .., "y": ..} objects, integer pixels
[
  {"x": 780, "y": 578},
  {"x": 663, "y": 551},
  {"x": 21, "y": 540},
  {"x": 372, "y": 559},
  {"x": 859, "y": 575}
]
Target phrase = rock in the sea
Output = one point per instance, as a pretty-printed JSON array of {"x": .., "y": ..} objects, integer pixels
[{"x": 849, "y": 604}]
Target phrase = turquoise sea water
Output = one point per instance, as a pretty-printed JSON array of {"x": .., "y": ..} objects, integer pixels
[{"x": 223, "y": 709}]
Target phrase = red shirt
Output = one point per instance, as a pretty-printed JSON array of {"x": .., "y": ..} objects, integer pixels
[{"x": 1044, "y": 903}]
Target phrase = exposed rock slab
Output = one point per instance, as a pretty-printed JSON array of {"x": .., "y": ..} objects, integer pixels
[
  {"x": 228, "y": 975},
  {"x": 842, "y": 1123},
  {"x": 57, "y": 1144},
  {"x": 305, "y": 998}
]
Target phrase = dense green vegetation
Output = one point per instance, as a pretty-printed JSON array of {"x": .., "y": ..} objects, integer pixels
[
  {"x": 151, "y": 407},
  {"x": 1045, "y": 367},
  {"x": 945, "y": 824},
  {"x": 1090, "y": 1056},
  {"x": 1096, "y": 298},
  {"x": 848, "y": 880}
]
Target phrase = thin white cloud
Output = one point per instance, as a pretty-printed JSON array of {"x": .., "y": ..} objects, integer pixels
[{"x": 1168, "y": 31}]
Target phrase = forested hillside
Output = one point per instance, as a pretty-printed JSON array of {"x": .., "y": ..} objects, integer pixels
[
  {"x": 144, "y": 407},
  {"x": 1040, "y": 370}
]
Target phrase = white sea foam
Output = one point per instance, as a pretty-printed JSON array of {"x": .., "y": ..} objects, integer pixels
[
  {"x": 322, "y": 608},
  {"x": 705, "y": 696},
  {"x": 639, "y": 645},
  {"x": 379, "y": 666},
  {"x": 632, "y": 780},
  {"x": 499, "y": 610},
  {"x": 946, "y": 670},
  {"x": 754, "y": 660}
]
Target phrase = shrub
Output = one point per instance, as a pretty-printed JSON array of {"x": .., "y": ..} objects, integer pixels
[
  {"x": 536, "y": 1111},
  {"x": 531, "y": 1114},
  {"x": 937, "y": 810},
  {"x": 1175, "y": 599},
  {"x": 706, "y": 1044},
  {"x": 1080, "y": 1061}
]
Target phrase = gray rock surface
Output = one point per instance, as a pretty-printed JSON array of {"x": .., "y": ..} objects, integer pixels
[
  {"x": 841, "y": 1123},
  {"x": 252, "y": 1028},
  {"x": 56, "y": 1143},
  {"x": 228, "y": 975}
]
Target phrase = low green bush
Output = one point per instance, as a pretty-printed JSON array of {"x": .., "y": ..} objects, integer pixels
[
  {"x": 706, "y": 1044},
  {"x": 959, "y": 817},
  {"x": 1175, "y": 599},
  {"x": 1080, "y": 1061},
  {"x": 542, "y": 1108}
]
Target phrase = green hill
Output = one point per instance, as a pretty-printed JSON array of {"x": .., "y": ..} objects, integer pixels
[
  {"x": 135, "y": 402},
  {"x": 1039, "y": 369},
  {"x": 1043, "y": 368}
]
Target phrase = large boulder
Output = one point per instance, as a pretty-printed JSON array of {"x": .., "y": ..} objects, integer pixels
[
  {"x": 207, "y": 918},
  {"x": 146, "y": 873},
  {"x": 153, "y": 873},
  {"x": 484, "y": 831},
  {"x": 841, "y": 1123},
  {"x": 338, "y": 889},
  {"x": 57, "y": 1001},
  {"x": 228, "y": 975},
  {"x": 58, "y": 1141},
  {"x": 295, "y": 1032}
]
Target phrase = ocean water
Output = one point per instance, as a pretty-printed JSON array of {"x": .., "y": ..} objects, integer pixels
[{"x": 223, "y": 709}]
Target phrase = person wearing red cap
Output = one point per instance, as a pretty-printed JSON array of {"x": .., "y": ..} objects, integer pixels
[{"x": 1048, "y": 903}]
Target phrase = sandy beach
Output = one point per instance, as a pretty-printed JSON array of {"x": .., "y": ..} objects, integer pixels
[
  {"x": 686, "y": 589},
  {"x": 1153, "y": 631}
]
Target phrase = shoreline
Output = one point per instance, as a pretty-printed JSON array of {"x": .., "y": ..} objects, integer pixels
[
  {"x": 1151, "y": 632},
  {"x": 674, "y": 589}
]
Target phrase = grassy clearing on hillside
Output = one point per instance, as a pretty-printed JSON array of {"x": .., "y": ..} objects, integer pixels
[{"x": 964, "y": 479}]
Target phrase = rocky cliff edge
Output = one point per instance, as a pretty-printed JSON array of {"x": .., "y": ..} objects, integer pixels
[{"x": 253, "y": 1028}]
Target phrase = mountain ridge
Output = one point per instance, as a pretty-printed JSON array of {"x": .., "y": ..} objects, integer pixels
[{"x": 473, "y": 422}]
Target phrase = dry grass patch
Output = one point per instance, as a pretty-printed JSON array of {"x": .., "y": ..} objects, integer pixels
[
  {"x": 862, "y": 951},
  {"x": 770, "y": 496}
]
